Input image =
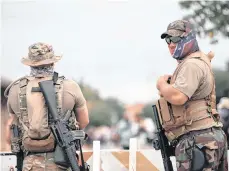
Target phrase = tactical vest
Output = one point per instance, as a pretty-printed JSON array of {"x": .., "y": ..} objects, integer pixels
[
  {"x": 42, "y": 140},
  {"x": 194, "y": 114}
]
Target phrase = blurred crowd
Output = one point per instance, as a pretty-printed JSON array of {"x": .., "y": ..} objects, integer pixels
[
  {"x": 139, "y": 127},
  {"x": 118, "y": 135}
]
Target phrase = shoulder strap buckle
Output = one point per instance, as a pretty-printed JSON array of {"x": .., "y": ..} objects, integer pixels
[{"x": 55, "y": 77}]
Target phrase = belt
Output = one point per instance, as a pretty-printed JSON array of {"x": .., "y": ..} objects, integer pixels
[
  {"x": 44, "y": 154},
  {"x": 193, "y": 133}
]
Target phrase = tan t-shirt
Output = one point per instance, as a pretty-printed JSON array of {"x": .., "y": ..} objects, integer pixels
[
  {"x": 194, "y": 79},
  {"x": 72, "y": 98}
]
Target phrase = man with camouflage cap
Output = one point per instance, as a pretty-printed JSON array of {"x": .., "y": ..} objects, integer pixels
[
  {"x": 30, "y": 112},
  {"x": 187, "y": 105}
]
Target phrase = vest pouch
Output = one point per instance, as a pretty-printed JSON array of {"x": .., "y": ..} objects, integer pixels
[
  {"x": 60, "y": 157},
  {"x": 164, "y": 109},
  {"x": 39, "y": 134},
  {"x": 179, "y": 114},
  {"x": 45, "y": 145}
]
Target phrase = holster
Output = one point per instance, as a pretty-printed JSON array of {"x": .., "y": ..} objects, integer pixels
[
  {"x": 15, "y": 138},
  {"x": 198, "y": 158},
  {"x": 15, "y": 145},
  {"x": 20, "y": 158}
]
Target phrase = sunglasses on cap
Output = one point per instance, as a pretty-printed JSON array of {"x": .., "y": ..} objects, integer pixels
[{"x": 172, "y": 39}]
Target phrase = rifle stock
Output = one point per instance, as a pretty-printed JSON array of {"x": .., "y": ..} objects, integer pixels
[
  {"x": 59, "y": 127},
  {"x": 47, "y": 88},
  {"x": 162, "y": 141}
]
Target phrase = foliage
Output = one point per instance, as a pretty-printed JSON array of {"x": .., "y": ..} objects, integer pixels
[
  {"x": 148, "y": 111},
  {"x": 117, "y": 106},
  {"x": 208, "y": 17},
  {"x": 101, "y": 111},
  {"x": 89, "y": 93},
  {"x": 221, "y": 82},
  {"x": 100, "y": 114}
]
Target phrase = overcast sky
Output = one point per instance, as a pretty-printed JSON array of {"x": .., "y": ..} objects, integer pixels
[{"x": 114, "y": 45}]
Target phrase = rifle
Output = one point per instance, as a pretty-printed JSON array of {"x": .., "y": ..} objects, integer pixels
[
  {"x": 162, "y": 143},
  {"x": 15, "y": 146},
  {"x": 67, "y": 140}
]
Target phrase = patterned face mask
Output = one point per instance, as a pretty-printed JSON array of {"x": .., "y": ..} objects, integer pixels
[
  {"x": 188, "y": 44},
  {"x": 44, "y": 71}
]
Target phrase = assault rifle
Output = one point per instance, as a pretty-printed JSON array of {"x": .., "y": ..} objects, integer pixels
[
  {"x": 15, "y": 146},
  {"x": 68, "y": 142},
  {"x": 162, "y": 143}
]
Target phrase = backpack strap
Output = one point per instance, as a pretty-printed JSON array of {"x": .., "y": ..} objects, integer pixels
[
  {"x": 69, "y": 116},
  {"x": 23, "y": 102},
  {"x": 6, "y": 92}
]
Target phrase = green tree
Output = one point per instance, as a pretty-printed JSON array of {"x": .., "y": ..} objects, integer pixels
[
  {"x": 209, "y": 17},
  {"x": 106, "y": 112},
  {"x": 221, "y": 83},
  {"x": 102, "y": 111},
  {"x": 147, "y": 111},
  {"x": 117, "y": 106},
  {"x": 89, "y": 93},
  {"x": 100, "y": 114}
]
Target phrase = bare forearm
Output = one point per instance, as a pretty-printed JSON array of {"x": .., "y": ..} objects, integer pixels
[
  {"x": 8, "y": 125},
  {"x": 82, "y": 117}
]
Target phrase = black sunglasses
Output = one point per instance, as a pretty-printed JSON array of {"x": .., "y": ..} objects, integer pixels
[{"x": 172, "y": 39}]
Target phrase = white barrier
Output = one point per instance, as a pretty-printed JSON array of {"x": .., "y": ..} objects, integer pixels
[
  {"x": 8, "y": 161},
  {"x": 132, "y": 154},
  {"x": 124, "y": 160},
  {"x": 127, "y": 160},
  {"x": 96, "y": 155},
  {"x": 111, "y": 160}
]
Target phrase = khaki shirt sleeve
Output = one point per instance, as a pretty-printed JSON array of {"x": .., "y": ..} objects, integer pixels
[
  {"x": 9, "y": 109},
  {"x": 75, "y": 91},
  {"x": 188, "y": 79}
]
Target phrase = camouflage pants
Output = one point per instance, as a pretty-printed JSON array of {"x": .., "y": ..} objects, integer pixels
[
  {"x": 214, "y": 145},
  {"x": 41, "y": 162}
]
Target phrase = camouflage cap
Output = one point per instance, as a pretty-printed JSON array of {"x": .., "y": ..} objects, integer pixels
[
  {"x": 177, "y": 28},
  {"x": 40, "y": 54}
]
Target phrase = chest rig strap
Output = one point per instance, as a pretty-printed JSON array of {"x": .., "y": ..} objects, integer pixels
[
  {"x": 22, "y": 102},
  {"x": 211, "y": 98}
]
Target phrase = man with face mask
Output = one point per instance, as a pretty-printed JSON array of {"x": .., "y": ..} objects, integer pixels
[
  {"x": 187, "y": 105},
  {"x": 29, "y": 112}
]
